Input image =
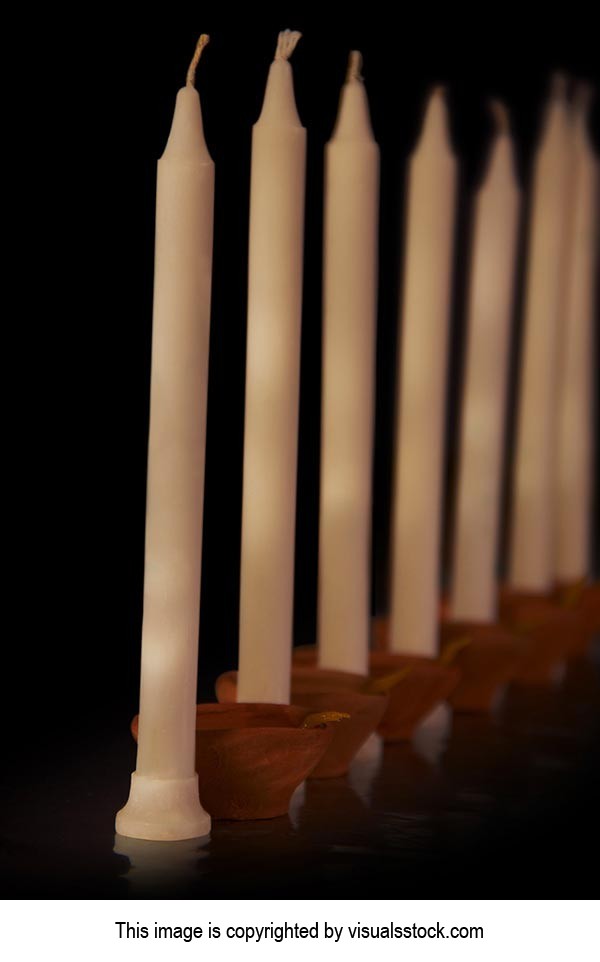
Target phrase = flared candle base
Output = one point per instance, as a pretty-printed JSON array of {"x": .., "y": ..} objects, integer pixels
[{"x": 163, "y": 809}]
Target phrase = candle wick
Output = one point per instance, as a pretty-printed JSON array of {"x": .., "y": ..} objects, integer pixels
[
  {"x": 354, "y": 66},
  {"x": 286, "y": 44},
  {"x": 190, "y": 79}
]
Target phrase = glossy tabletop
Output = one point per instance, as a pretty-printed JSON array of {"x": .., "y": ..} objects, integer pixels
[{"x": 506, "y": 805}]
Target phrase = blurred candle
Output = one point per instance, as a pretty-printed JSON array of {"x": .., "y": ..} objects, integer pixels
[
  {"x": 163, "y": 802},
  {"x": 423, "y": 361},
  {"x": 575, "y": 407},
  {"x": 531, "y": 556},
  {"x": 272, "y": 388},
  {"x": 349, "y": 327},
  {"x": 474, "y": 587}
]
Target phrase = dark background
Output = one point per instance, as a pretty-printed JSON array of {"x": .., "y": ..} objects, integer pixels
[{"x": 101, "y": 101}]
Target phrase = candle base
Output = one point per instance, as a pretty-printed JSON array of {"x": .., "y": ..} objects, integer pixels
[
  {"x": 163, "y": 810},
  {"x": 487, "y": 655},
  {"x": 321, "y": 690},
  {"x": 411, "y": 698},
  {"x": 251, "y": 757}
]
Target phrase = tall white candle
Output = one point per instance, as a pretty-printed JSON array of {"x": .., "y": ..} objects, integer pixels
[
  {"x": 531, "y": 556},
  {"x": 474, "y": 589},
  {"x": 272, "y": 388},
  {"x": 163, "y": 801},
  {"x": 349, "y": 325},
  {"x": 575, "y": 414},
  {"x": 423, "y": 359}
]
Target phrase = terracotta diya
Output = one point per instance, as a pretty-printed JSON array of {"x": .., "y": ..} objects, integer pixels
[
  {"x": 251, "y": 758},
  {"x": 415, "y": 685},
  {"x": 325, "y": 691},
  {"x": 583, "y": 597},
  {"x": 555, "y": 633},
  {"x": 425, "y": 684},
  {"x": 488, "y": 656}
]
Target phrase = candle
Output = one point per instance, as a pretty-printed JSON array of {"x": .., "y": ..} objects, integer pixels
[
  {"x": 575, "y": 424},
  {"x": 473, "y": 594},
  {"x": 422, "y": 368},
  {"x": 349, "y": 325},
  {"x": 163, "y": 801},
  {"x": 531, "y": 552},
  {"x": 272, "y": 388}
]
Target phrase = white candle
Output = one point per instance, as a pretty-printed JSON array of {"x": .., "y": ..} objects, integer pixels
[
  {"x": 531, "y": 557},
  {"x": 575, "y": 405},
  {"x": 423, "y": 359},
  {"x": 349, "y": 326},
  {"x": 163, "y": 801},
  {"x": 272, "y": 388},
  {"x": 474, "y": 589}
]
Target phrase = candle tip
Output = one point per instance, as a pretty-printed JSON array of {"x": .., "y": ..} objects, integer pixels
[
  {"x": 558, "y": 85},
  {"x": 190, "y": 79},
  {"x": 437, "y": 90},
  {"x": 286, "y": 44},
  {"x": 500, "y": 116},
  {"x": 354, "y": 66}
]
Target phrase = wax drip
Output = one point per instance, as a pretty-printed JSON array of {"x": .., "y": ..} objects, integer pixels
[
  {"x": 354, "y": 66},
  {"x": 500, "y": 116},
  {"x": 286, "y": 44},
  {"x": 190, "y": 79}
]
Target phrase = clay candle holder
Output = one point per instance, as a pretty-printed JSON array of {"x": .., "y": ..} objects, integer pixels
[
  {"x": 415, "y": 685},
  {"x": 426, "y": 684},
  {"x": 251, "y": 758},
  {"x": 487, "y": 656},
  {"x": 343, "y": 691},
  {"x": 325, "y": 691},
  {"x": 555, "y": 633},
  {"x": 584, "y": 598}
]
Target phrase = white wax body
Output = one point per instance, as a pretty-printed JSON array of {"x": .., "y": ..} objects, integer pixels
[
  {"x": 175, "y": 487},
  {"x": 474, "y": 589},
  {"x": 575, "y": 406},
  {"x": 422, "y": 371},
  {"x": 272, "y": 394},
  {"x": 349, "y": 331},
  {"x": 532, "y": 522}
]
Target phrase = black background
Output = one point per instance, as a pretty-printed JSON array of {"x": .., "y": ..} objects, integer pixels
[
  {"x": 133, "y": 85},
  {"x": 101, "y": 102}
]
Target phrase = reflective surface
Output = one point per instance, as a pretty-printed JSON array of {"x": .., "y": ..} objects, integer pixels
[{"x": 474, "y": 807}]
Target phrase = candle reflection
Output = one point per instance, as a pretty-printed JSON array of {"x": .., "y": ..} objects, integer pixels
[
  {"x": 365, "y": 766},
  {"x": 408, "y": 791},
  {"x": 327, "y": 797},
  {"x": 297, "y": 801},
  {"x": 432, "y": 735},
  {"x": 161, "y": 867}
]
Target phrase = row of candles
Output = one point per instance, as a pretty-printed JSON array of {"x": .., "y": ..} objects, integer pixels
[{"x": 551, "y": 498}]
